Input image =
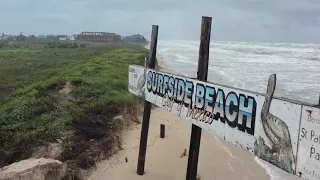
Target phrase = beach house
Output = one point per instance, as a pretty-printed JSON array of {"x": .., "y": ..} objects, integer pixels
[
  {"x": 21, "y": 37},
  {"x": 62, "y": 37},
  {"x": 135, "y": 38},
  {"x": 72, "y": 38},
  {"x": 4, "y": 37}
]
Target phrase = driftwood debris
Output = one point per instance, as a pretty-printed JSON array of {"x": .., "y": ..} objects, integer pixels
[{"x": 184, "y": 153}]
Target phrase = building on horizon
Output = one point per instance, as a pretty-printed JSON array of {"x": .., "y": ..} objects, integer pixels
[
  {"x": 21, "y": 37},
  {"x": 61, "y": 37},
  {"x": 51, "y": 37},
  {"x": 41, "y": 37},
  {"x": 32, "y": 38},
  {"x": 104, "y": 37},
  {"x": 4, "y": 37},
  {"x": 72, "y": 38},
  {"x": 135, "y": 38}
]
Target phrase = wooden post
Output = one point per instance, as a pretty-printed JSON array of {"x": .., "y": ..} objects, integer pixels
[
  {"x": 162, "y": 130},
  {"x": 202, "y": 75},
  {"x": 147, "y": 106}
]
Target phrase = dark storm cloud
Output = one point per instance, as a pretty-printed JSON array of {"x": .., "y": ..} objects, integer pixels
[{"x": 244, "y": 20}]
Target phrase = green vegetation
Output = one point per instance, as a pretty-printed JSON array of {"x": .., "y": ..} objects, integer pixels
[
  {"x": 65, "y": 45},
  {"x": 45, "y": 92}
]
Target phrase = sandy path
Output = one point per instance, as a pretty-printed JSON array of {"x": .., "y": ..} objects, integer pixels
[{"x": 218, "y": 159}]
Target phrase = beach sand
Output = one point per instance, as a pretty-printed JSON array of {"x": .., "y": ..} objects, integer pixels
[{"x": 218, "y": 160}]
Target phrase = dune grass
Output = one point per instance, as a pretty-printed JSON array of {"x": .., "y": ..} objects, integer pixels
[{"x": 33, "y": 111}]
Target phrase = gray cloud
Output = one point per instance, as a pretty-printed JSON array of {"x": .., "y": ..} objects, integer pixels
[{"x": 243, "y": 20}]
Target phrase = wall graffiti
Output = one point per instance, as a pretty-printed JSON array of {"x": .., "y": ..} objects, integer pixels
[
  {"x": 204, "y": 102},
  {"x": 280, "y": 153},
  {"x": 261, "y": 124},
  {"x": 308, "y": 163},
  {"x": 137, "y": 80}
]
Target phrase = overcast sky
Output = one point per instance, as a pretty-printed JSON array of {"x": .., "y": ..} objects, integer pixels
[{"x": 236, "y": 20}]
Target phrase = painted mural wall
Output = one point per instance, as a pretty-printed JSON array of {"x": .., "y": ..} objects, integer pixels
[
  {"x": 277, "y": 132},
  {"x": 137, "y": 80},
  {"x": 231, "y": 114},
  {"x": 265, "y": 126},
  {"x": 308, "y": 163}
]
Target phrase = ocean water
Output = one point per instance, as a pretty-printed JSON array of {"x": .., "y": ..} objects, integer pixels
[{"x": 248, "y": 65}]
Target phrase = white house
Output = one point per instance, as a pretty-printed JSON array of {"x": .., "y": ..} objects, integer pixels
[
  {"x": 62, "y": 37},
  {"x": 72, "y": 38},
  {"x": 4, "y": 37}
]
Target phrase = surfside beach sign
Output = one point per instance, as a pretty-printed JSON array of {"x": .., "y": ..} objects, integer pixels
[
  {"x": 214, "y": 108},
  {"x": 267, "y": 127},
  {"x": 201, "y": 102}
]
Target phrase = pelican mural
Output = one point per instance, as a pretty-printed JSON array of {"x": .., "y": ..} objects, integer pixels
[
  {"x": 276, "y": 130},
  {"x": 142, "y": 80}
]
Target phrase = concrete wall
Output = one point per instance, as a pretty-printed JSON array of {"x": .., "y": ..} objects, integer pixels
[{"x": 260, "y": 124}]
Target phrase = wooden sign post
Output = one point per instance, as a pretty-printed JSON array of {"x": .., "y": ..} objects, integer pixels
[
  {"x": 202, "y": 75},
  {"x": 147, "y": 106}
]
